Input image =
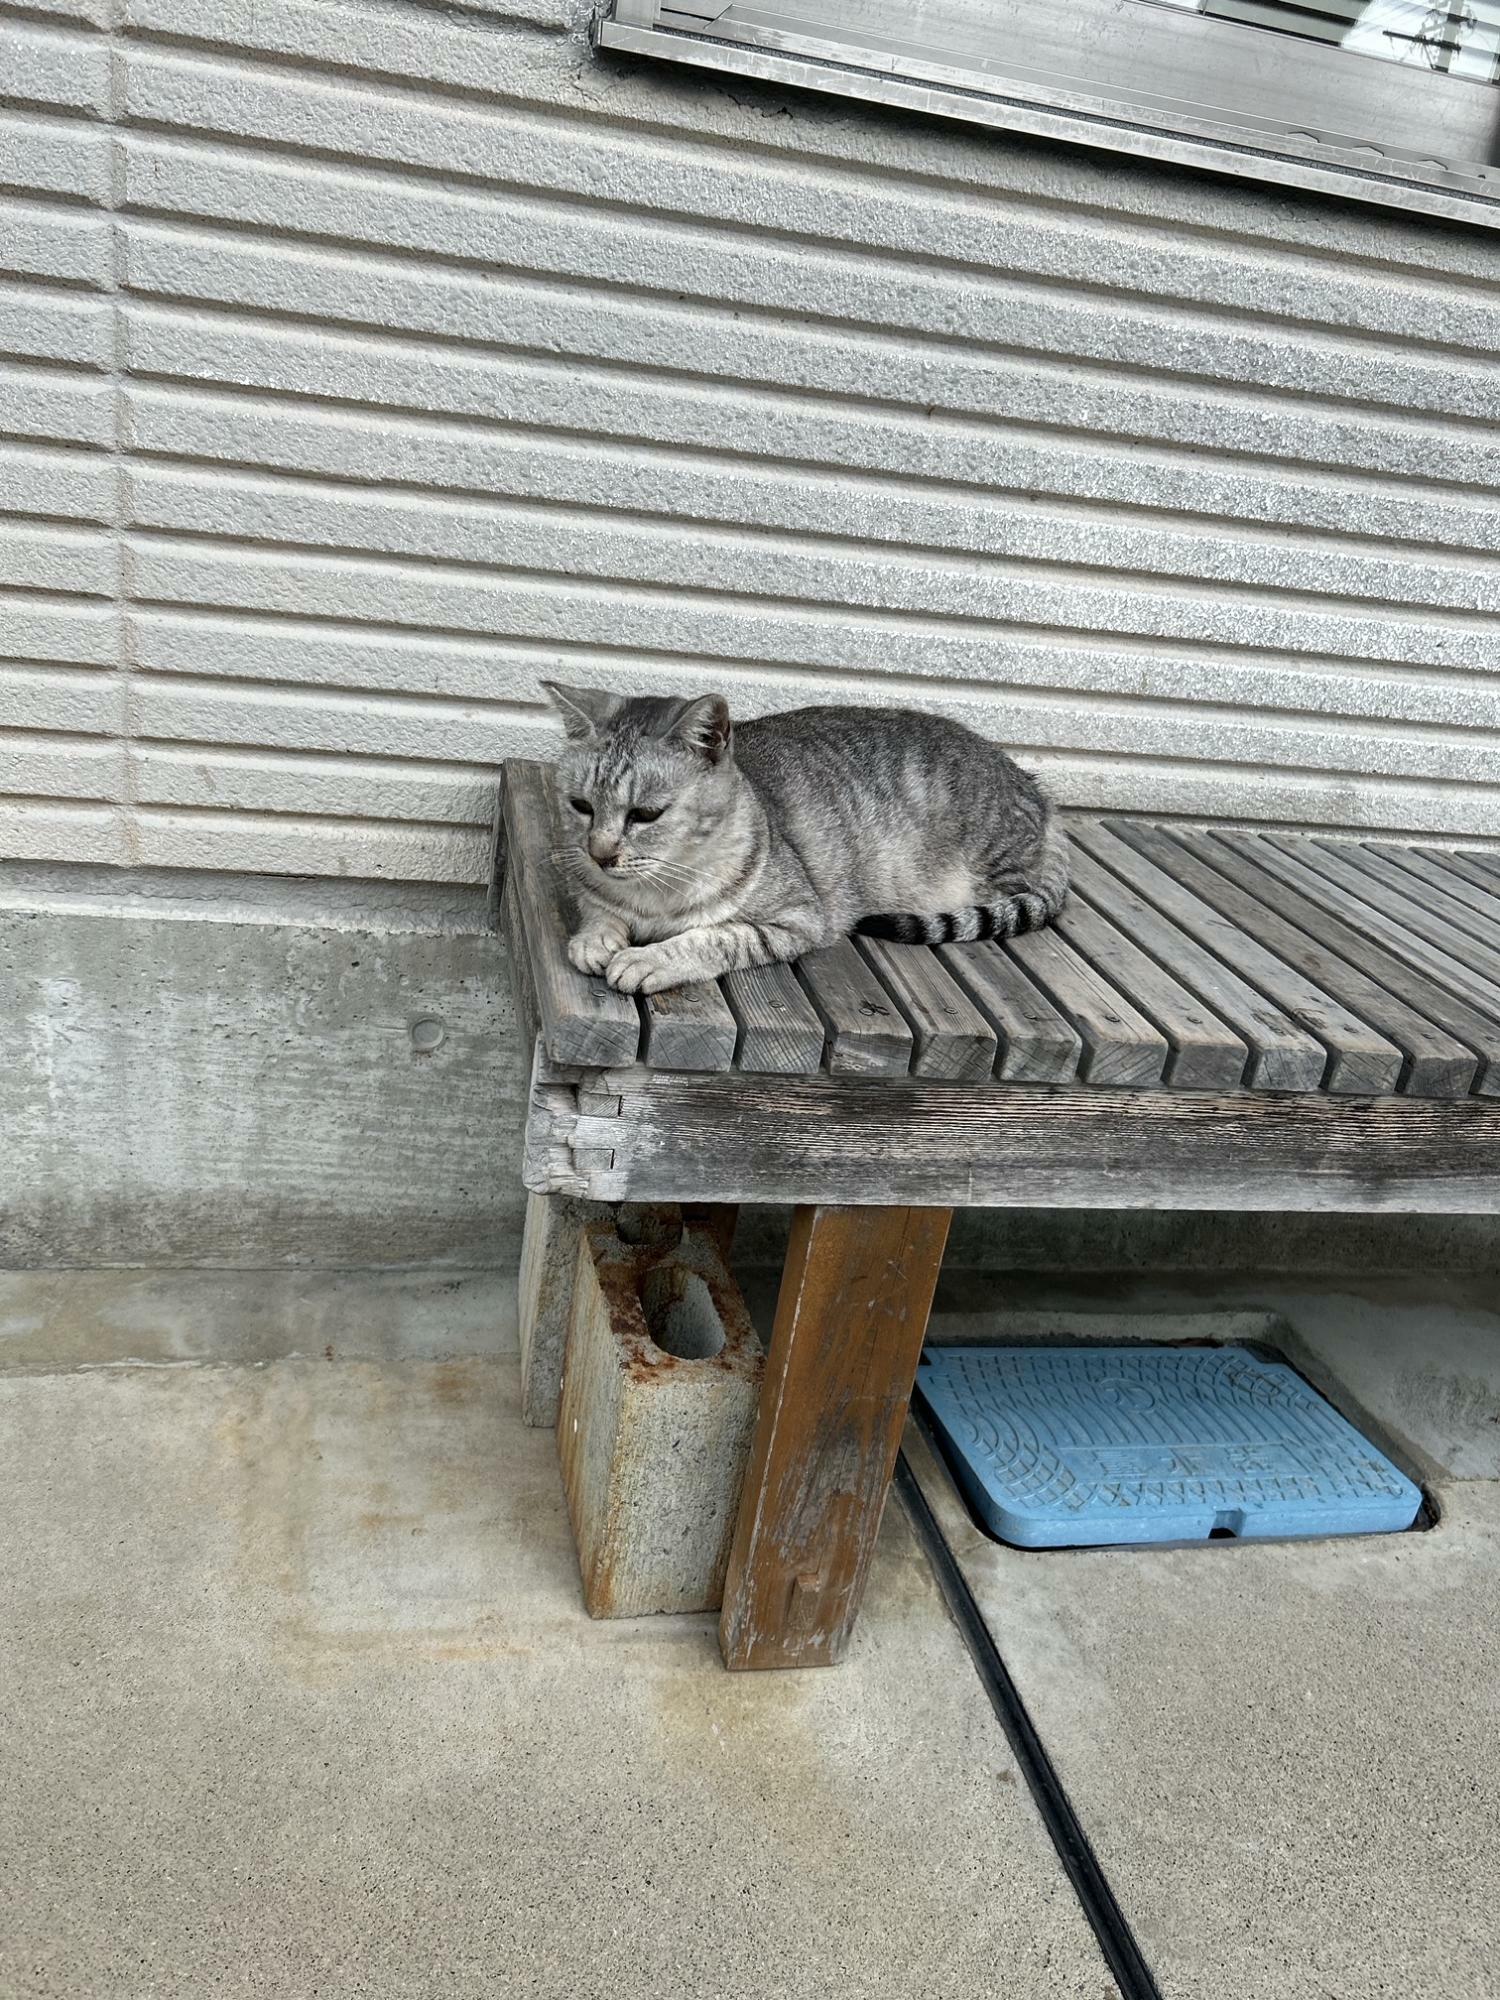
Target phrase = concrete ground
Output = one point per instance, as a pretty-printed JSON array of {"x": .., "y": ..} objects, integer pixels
[{"x": 299, "y": 1697}]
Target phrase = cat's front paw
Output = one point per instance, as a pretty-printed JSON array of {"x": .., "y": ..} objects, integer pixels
[
  {"x": 593, "y": 951},
  {"x": 644, "y": 968}
]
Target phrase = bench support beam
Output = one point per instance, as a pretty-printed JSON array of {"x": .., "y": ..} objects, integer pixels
[
  {"x": 850, "y": 1320},
  {"x": 656, "y": 1135}
]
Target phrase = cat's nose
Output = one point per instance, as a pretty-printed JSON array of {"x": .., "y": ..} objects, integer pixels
[{"x": 607, "y": 857}]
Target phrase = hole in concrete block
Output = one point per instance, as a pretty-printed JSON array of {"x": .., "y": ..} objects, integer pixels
[{"x": 680, "y": 1313}]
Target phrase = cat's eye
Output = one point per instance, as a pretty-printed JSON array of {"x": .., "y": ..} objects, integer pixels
[
  {"x": 643, "y": 815},
  {"x": 582, "y": 806}
]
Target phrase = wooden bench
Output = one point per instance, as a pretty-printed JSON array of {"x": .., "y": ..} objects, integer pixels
[{"x": 1218, "y": 1020}]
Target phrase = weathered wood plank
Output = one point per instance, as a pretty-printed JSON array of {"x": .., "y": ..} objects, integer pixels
[
  {"x": 584, "y": 1022},
  {"x": 1436, "y": 1064},
  {"x": 1120, "y": 1046},
  {"x": 1486, "y": 859},
  {"x": 549, "y": 1164},
  {"x": 1441, "y": 920},
  {"x": 1366, "y": 906},
  {"x": 1283, "y": 1056},
  {"x": 1327, "y": 912},
  {"x": 1037, "y": 1045},
  {"x": 1360, "y": 1061},
  {"x": 522, "y": 989},
  {"x": 953, "y": 1039},
  {"x": 1481, "y": 863},
  {"x": 690, "y": 1027},
  {"x": 906, "y": 1141},
  {"x": 1203, "y": 1054},
  {"x": 1476, "y": 868},
  {"x": 780, "y": 1032},
  {"x": 855, "y": 1296},
  {"x": 1480, "y": 905},
  {"x": 866, "y": 1035}
]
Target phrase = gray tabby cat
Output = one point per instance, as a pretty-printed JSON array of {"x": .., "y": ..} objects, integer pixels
[{"x": 703, "y": 847}]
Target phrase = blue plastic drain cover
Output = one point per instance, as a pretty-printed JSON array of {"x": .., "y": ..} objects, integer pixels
[{"x": 1060, "y": 1447}]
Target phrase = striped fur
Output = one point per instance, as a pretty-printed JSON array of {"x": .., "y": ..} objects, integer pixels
[
  {"x": 701, "y": 847},
  {"x": 1027, "y": 909}
]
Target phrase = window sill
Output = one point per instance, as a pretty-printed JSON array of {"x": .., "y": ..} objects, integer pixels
[{"x": 1017, "y": 102}]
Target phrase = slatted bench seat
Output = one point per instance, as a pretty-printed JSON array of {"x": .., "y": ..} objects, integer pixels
[{"x": 1219, "y": 1019}]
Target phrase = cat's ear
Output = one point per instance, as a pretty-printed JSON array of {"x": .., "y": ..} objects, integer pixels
[
  {"x": 704, "y": 726},
  {"x": 584, "y": 711}
]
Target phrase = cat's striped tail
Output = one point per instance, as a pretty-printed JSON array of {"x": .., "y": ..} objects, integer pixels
[{"x": 1034, "y": 902}]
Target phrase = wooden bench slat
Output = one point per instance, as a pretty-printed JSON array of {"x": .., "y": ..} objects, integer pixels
[
  {"x": 1485, "y": 861},
  {"x": 522, "y": 986},
  {"x": 1203, "y": 1054},
  {"x": 1472, "y": 866},
  {"x": 1318, "y": 906},
  {"x": 1481, "y": 905},
  {"x": 1367, "y": 1057},
  {"x": 1438, "y": 1065},
  {"x": 1360, "y": 1061},
  {"x": 953, "y": 1039},
  {"x": 1120, "y": 1046},
  {"x": 1484, "y": 858},
  {"x": 584, "y": 1023},
  {"x": 780, "y": 1032},
  {"x": 1443, "y": 920},
  {"x": 690, "y": 1027},
  {"x": 866, "y": 1035},
  {"x": 1283, "y": 1056},
  {"x": 1367, "y": 906},
  {"x": 1036, "y": 1044}
]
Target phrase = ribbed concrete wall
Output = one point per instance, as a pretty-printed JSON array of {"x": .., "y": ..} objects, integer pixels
[{"x": 365, "y": 363}]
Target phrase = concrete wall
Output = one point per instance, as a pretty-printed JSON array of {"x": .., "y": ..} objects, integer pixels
[
  {"x": 182, "y": 1088},
  {"x": 363, "y": 363}
]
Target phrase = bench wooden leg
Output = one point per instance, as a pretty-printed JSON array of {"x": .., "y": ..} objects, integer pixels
[{"x": 850, "y": 1319}]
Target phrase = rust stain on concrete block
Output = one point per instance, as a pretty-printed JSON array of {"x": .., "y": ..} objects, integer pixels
[{"x": 660, "y": 1388}]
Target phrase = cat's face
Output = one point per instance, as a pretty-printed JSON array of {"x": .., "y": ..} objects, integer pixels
[{"x": 643, "y": 783}]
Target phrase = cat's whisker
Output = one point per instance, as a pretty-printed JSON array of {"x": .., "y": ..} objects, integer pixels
[{"x": 679, "y": 871}]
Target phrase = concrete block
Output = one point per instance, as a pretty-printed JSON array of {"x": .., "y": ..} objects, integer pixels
[
  {"x": 660, "y": 1389},
  {"x": 549, "y": 1258}
]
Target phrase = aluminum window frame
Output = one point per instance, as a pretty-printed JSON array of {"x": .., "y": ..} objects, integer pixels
[{"x": 770, "y": 43}]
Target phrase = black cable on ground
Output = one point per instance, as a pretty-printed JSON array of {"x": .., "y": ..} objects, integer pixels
[{"x": 1117, "y": 1941}]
